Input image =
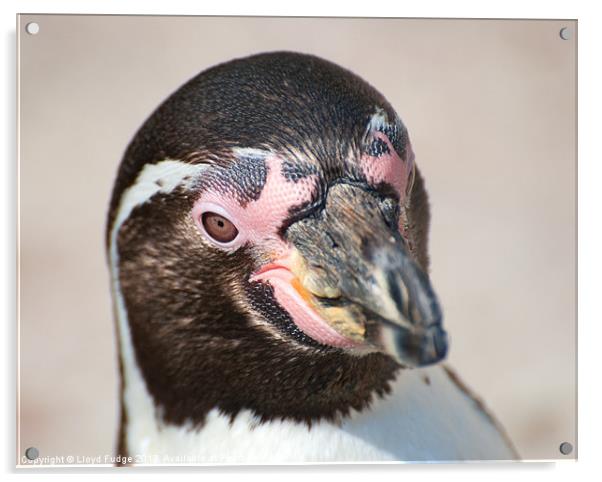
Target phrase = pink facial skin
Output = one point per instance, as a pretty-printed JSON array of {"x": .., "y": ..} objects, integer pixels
[
  {"x": 258, "y": 223},
  {"x": 389, "y": 168}
]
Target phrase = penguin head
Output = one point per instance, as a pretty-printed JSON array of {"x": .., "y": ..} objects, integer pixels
[{"x": 268, "y": 241}]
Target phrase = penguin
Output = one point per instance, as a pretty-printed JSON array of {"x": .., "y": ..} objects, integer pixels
[{"x": 267, "y": 240}]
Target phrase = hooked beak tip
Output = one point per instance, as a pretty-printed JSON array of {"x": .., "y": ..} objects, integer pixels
[{"x": 418, "y": 350}]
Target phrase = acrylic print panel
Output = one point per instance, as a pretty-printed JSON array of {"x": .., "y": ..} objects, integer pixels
[{"x": 220, "y": 280}]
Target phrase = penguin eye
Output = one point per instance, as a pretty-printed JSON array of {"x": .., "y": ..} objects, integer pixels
[{"x": 218, "y": 227}]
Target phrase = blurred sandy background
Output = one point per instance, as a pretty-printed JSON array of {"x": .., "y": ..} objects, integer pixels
[{"x": 490, "y": 106}]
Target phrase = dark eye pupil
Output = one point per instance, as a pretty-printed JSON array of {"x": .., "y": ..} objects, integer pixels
[{"x": 219, "y": 228}]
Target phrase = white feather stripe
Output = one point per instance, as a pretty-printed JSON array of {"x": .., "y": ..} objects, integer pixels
[{"x": 162, "y": 177}]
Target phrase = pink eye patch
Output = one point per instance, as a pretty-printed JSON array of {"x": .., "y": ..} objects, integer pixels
[
  {"x": 257, "y": 197},
  {"x": 382, "y": 164}
]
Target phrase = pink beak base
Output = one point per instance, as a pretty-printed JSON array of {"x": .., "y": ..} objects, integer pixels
[{"x": 280, "y": 277}]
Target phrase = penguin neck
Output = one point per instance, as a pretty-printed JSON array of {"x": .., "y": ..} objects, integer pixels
[
  {"x": 427, "y": 416},
  {"x": 303, "y": 386},
  {"x": 145, "y": 432}
]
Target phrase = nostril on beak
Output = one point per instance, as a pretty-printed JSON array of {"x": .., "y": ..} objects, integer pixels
[{"x": 399, "y": 294}]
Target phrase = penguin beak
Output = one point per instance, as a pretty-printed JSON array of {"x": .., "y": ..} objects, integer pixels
[{"x": 363, "y": 280}]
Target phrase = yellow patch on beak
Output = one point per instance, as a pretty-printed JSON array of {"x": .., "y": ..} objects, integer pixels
[
  {"x": 311, "y": 284},
  {"x": 344, "y": 321},
  {"x": 305, "y": 294}
]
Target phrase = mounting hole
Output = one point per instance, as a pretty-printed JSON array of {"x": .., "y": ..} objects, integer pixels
[
  {"x": 32, "y": 453},
  {"x": 565, "y": 33},
  {"x": 565, "y": 448},
  {"x": 32, "y": 28}
]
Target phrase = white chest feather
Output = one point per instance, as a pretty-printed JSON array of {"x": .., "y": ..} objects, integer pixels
[{"x": 418, "y": 421}]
